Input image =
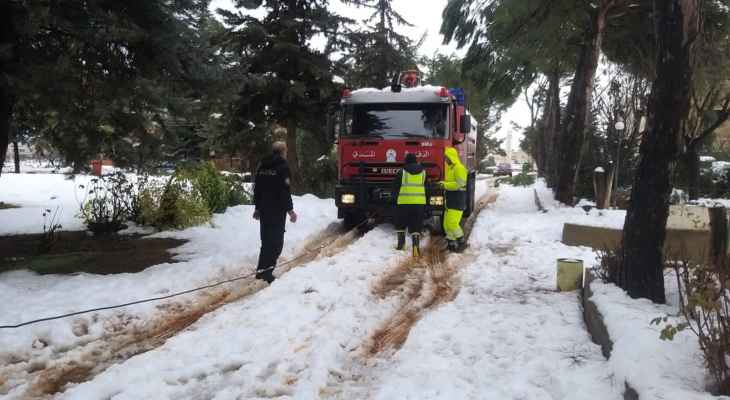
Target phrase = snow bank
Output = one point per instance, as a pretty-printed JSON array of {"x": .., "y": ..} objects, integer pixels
[
  {"x": 657, "y": 369},
  {"x": 35, "y": 193},
  {"x": 712, "y": 202},
  {"x": 283, "y": 342},
  {"x": 227, "y": 248}
]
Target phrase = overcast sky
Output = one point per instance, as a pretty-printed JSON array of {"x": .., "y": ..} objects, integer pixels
[{"x": 425, "y": 15}]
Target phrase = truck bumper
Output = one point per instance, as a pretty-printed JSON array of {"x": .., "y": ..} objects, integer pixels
[{"x": 373, "y": 198}]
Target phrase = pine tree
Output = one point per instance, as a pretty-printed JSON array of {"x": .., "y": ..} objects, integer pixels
[
  {"x": 91, "y": 75},
  {"x": 380, "y": 52},
  {"x": 511, "y": 43},
  {"x": 285, "y": 80}
]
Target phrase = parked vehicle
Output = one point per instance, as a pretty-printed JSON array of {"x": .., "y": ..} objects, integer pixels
[{"x": 503, "y": 169}]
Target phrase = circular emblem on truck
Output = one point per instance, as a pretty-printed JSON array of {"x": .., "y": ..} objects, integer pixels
[{"x": 390, "y": 155}]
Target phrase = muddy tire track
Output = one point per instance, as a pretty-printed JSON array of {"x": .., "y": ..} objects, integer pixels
[
  {"x": 422, "y": 284},
  {"x": 126, "y": 337}
]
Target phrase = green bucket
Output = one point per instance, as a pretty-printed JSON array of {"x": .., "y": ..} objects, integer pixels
[{"x": 570, "y": 274}]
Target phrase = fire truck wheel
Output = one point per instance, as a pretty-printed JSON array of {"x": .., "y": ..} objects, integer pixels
[
  {"x": 470, "y": 195},
  {"x": 437, "y": 225},
  {"x": 353, "y": 219}
]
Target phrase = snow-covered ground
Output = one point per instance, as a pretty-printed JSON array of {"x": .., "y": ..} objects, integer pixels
[
  {"x": 284, "y": 342},
  {"x": 657, "y": 369},
  {"x": 225, "y": 248},
  {"x": 508, "y": 334},
  {"x": 35, "y": 193}
]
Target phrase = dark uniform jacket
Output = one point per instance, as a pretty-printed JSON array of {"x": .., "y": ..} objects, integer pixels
[{"x": 271, "y": 192}]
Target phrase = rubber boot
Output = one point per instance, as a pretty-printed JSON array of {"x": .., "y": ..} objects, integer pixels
[
  {"x": 267, "y": 276},
  {"x": 416, "y": 240},
  {"x": 401, "y": 240},
  {"x": 451, "y": 245},
  {"x": 460, "y": 245}
]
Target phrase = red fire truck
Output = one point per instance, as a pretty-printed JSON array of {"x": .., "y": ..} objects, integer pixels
[{"x": 377, "y": 128}]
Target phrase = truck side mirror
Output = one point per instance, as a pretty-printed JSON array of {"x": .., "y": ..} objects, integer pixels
[
  {"x": 459, "y": 138},
  {"x": 465, "y": 124}
]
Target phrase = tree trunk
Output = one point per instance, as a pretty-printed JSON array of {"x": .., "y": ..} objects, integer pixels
[
  {"x": 692, "y": 160},
  {"x": 539, "y": 150},
  {"x": 16, "y": 156},
  {"x": 646, "y": 219},
  {"x": 6, "y": 111},
  {"x": 577, "y": 109},
  {"x": 12, "y": 14},
  {"x": 551, "y": 126},
  {"x": 292, "y": 156}
]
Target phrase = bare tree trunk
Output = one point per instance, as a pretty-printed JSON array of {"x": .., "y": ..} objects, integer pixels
[
  {"x": 677, "y": 25},
  {"x": 577, "y": 109},
  {"x": 551, "y": 126},
  {"x": 293, "y": 156},
  {"x": 6, "y": 111},
  {"x": 16, "y": 156}
]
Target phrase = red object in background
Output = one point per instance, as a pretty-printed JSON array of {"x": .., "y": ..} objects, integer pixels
[
  {"x": 410, "y": 78},
  {"x": 96, "y": 167}
]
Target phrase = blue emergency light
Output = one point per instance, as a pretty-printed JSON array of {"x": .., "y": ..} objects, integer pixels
[{"x": 459, "y": 95}]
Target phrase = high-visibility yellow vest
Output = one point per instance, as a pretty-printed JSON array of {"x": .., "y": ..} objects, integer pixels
[{"x": 412, "y": 189}]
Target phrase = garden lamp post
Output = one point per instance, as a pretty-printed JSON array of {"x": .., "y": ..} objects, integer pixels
[{"x": 619, "y": 126}]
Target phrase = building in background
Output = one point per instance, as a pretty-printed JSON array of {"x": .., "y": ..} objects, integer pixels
[{"x": 513, "y": 156}]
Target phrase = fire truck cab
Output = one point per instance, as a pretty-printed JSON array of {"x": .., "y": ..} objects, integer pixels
[{"x": 376, "y": 129}]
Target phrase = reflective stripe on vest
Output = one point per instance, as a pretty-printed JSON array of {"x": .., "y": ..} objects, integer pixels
[{"x": 413, "y": 189}]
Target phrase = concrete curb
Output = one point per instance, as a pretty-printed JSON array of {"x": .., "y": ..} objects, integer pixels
[{"x": 598, "y": 330}]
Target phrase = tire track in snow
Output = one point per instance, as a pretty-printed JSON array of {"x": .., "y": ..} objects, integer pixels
[
  {"x": 422, "y": 284},
  {"x": 126, "y": 339}
]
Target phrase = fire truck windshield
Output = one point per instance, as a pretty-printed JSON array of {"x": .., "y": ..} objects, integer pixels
[{"x": 394, "y": 120}]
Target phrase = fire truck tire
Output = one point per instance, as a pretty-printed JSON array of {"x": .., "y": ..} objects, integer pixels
[
  {"x": 470, "y": 195},
  {"x": 353, "y": 219},
  {"x": 437, "y": 225}
]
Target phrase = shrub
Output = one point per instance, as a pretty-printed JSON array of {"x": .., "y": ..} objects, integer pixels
[
  {"x": 107, "y": 203},
  {"x": 51, "y": 227},
  {"x": 209, "y": 183},
  {"x": 609, "y": 265},
  {"x": 705, "y": 308},
  {"x": 135, "y": 203},
  {"x": 521, "y": 180},
  {"x": 237, "y": 192},
  {"x": 173, "y": 204}
]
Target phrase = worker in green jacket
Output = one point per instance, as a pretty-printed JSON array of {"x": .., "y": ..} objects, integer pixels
[
  {"x": 410, "y": 185},
  {"x": 454, "y": 183}
]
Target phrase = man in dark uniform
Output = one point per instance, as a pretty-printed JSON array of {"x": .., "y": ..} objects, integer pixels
[
  {"x": 410, "y": 186},
  {"x": 272, "y": 198}
]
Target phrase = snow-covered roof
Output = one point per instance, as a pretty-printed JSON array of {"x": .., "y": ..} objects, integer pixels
[{"x": 420, "y": 94}]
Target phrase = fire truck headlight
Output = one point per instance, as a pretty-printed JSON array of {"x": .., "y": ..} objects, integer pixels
[
  {"x": 436, "y": 200},
  {"x": 348, "y": 199}
]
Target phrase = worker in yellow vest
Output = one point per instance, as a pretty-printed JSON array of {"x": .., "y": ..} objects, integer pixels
[
  {"x": 454, "y": 183},
  {"x": 410, "y": 185}
]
